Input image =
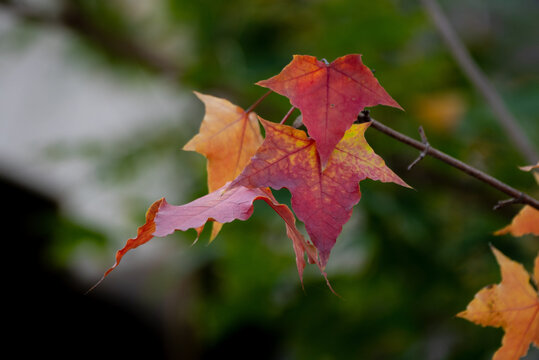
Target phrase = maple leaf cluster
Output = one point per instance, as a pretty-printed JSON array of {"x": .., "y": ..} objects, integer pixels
[{"x": 322, "y": 169}]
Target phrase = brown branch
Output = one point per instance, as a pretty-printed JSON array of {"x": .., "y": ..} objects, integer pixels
[
  {"x": 481, "y": 82},
  {"x": 517, "y": 196}
]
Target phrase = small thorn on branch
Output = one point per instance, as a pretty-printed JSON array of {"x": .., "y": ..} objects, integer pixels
[
  {"x": 504, "y": 203},
  {"x": 423, "y": 153}
]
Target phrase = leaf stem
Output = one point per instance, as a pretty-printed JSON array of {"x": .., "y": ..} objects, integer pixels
[
  {"x": 256, "y": 103},
  {"x": 519, "y": 196},
  {"x": 287, "y": 115}
]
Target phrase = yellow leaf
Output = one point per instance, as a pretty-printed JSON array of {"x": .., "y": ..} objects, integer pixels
[
  {"x": 228, "y": 138},
  {"x": 513, "y": 305}
]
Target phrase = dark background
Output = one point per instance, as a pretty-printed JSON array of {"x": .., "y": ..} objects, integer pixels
[{"x": 405, "y": 264}]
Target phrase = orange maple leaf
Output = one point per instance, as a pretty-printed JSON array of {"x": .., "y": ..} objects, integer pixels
[
  {"x": 228, "y": 138},
  {"x": 513, "y": 305},
  {"x": 527, "y": 220}
]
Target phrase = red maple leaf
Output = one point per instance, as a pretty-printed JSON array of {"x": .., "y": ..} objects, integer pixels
[
  {"x": 321, "y": 198},
  {"x": 329, "y": 96}
]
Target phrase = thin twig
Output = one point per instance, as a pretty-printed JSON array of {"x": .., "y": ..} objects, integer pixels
[
  {"x": 519, "y": 196},
  {"x": 481, "y": 82},
  {"x": 287, "y": 115},
  {"x": 504, "y": 203},
  {"x": 257, "y": 102},
  {"x": 424, "y": 152}
]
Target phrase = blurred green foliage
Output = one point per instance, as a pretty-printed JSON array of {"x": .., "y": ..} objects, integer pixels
[{"x": 424, "y": 252}]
